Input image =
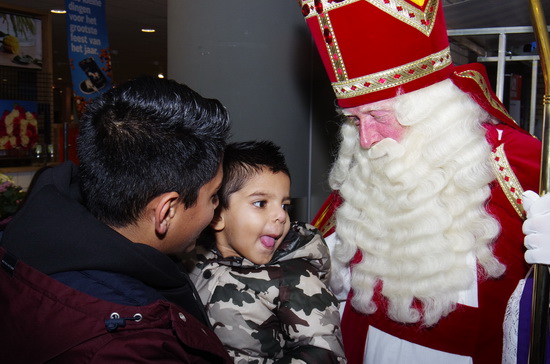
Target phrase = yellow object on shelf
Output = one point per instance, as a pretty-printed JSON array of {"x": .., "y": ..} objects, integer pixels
[{"x": 11, "y": 44}]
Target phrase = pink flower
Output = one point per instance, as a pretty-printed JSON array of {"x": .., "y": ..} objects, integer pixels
[{"x": 4, "y": 186}]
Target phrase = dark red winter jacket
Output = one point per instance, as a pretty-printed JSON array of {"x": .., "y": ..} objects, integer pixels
[{"x": 43, "y": 320}]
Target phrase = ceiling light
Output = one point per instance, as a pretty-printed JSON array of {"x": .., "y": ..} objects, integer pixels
[
  {"x": 147, "y": 30},
  {"x": 160, "y": 75},
  {"x": 58, "y": 11}
]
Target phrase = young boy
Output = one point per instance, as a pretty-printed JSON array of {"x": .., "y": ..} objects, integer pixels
[{"x": 261, "y": 277}]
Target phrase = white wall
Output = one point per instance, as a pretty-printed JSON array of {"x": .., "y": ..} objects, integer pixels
[{"x": 257, "y": 58}]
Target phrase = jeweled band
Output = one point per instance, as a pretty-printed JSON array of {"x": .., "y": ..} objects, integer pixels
[
  {"x": 392, "y": 77},
  {"x": 484, "y": 87},
  {"x": 420, "y": 16}
]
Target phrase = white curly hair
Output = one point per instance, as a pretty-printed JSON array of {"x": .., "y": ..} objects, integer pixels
[{"x": 421, "y": 208}]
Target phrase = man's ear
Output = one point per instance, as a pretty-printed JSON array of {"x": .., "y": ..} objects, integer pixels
[
  {"x": 218, "y": 222},
  {"x": 164, "y": 207}
]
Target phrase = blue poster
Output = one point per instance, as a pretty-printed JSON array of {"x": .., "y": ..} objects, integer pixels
[{"x": 88, "y": 43}]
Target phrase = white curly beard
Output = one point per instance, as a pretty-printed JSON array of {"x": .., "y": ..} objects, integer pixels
[{"x": 420, "y": 211}]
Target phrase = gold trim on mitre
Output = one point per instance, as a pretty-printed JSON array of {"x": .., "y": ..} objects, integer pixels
[
  {"x": 399, "y": 9},
  {"x": 393, "y": 77},
  {"x": 333, "y": 49},
  {"x": 480, "y": 80},
  {"x": 327, "y": 6}
]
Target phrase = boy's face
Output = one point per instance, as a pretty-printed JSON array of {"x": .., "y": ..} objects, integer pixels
[{"x": 257, "y": 220}]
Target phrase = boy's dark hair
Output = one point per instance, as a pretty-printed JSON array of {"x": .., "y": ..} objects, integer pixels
[
  {"x": 243, "y": 160},
  {"x": 146, "y": 137}
]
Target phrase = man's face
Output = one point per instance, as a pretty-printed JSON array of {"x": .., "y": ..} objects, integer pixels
[
  {"x": 194, "y": 219},
  {"x": 376, "y": 121}
]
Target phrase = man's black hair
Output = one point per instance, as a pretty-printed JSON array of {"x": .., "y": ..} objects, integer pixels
[
  {"x": 243, "y": 160},
  {"x": 146, "y": 137}
]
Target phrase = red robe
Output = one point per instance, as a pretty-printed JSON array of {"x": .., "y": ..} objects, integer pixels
[{"x": 469, "y": 331}]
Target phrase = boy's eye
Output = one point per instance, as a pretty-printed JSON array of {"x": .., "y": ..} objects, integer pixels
[
  {"x": 259, "y": 203},
  {"x": 286, "y": 206}
]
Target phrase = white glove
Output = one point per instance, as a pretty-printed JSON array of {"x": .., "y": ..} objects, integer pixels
[{"x": 537, "y": 228}]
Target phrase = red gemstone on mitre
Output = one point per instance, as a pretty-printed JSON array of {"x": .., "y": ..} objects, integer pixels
[
  {"x": 366, "y": 84},
  {"x": 305, "y": 10},
  {"x": 328, "y": 36},
  {"x": 382, "y": 80},
  {"x": 512, "y": 189},
  {"x": 399, "y": 8},
  {"x": 353, "y": 88},
  {"x": 397, "y": 76},
  {"x": 318, "y": 6},
  {"x": 411, "y": 15},
  {"x": 424, "y": 66},
  {"x": 410, "y": 72}
]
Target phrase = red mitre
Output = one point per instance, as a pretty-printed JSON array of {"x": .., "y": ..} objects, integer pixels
[{"x": 371, "y": 49}]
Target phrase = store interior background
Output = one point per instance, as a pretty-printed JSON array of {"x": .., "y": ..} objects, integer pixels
[{"x": 257, "y": 58}]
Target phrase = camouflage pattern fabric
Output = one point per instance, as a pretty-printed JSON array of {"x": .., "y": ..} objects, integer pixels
[{"x": 281, "y": 312}]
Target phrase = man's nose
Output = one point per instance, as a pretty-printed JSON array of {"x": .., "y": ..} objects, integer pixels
[{"x": 368, "y": 133}]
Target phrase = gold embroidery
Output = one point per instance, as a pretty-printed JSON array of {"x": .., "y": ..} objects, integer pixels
[
  {"x": 409, "y": 14},
  {"x": 321, "y": 224},
  {"x": 393, "y": 77},
  {"x": 333, "y": 50},
  {"x": 399, "y": 9},
  {"x": 326, "y": 4},
  {"x": 480, "y": 80},
  {"x": 507, "y": 180},
  {"x": 328, "y": 225}
]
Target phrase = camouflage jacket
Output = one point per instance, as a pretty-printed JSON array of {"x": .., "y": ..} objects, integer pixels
[{"x": 281, "y": 312}]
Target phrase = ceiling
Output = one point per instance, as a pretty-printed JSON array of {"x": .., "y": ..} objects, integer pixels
[
  {"x": 468, "y": 14},
  {"x": 135, "y": 53},
  {"x": 132, "y": 52}
]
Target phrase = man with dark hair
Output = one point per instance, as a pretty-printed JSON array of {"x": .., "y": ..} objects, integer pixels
[{"x": 88, "y": 265}]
